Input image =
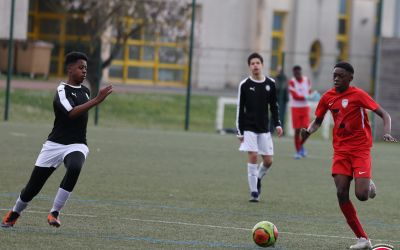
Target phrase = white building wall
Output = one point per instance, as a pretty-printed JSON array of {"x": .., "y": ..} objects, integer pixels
[
  {"x": 388, "y": 18},
  {"x": 231, "y": 29},
  {"x": 362, "y": 42},
  {"x": 313, "y": 20},
  {"x": 267, "y": 17},
  {"x": 223, "y": 42},
  {"x": 20, "y": 19}
]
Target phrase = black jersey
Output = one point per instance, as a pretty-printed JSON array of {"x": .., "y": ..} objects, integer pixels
[
  {"x": 67, "y": 130},
  {"x": 254, "y": 98}
]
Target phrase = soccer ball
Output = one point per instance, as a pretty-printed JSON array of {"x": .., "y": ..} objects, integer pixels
[{"x": 265, "y": 234}]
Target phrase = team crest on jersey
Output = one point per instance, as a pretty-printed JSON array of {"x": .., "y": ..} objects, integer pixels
[
  {"x": 268, "y": 88},
  {"x": 345, "y": 102}
]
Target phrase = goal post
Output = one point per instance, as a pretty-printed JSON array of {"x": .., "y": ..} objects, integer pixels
[
  {"x": 223, "y": 101},
  {"x": 325, "y": 126},
  {"x": 219, "y": 118}
]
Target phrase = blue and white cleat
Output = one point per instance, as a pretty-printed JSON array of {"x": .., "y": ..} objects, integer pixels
[
  {"x": 254, "y": 197},
  {"x": 303, "y": 152}
]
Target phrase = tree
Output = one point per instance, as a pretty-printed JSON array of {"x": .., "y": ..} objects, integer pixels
[{"x": 105, "y": 20}]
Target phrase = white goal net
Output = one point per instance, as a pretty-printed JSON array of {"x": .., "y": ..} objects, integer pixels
[{"x": 223, "y": 101}]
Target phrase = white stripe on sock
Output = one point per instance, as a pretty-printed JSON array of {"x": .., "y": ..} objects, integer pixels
[
  {"x": 60, "y": 200},
  {"x": 19, "y": 205},
  {"x": 252, "y": 173}
]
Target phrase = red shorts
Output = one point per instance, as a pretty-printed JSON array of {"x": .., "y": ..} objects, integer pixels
[
  {"x": 355, "y": 165},
  {"x": 300, "y": 117}
]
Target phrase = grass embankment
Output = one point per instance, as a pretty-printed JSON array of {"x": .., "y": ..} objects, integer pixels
[{"x": 139, "y": 110}]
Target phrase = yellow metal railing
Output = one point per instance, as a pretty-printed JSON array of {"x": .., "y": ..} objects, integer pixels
[
  {"x": 342, "y": 38},
  {"x": 279, "y": 36},
  {"x": 62, "y": 39}
]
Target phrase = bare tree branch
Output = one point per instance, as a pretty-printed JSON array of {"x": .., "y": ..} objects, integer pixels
[{"x": 166, "y": 19}]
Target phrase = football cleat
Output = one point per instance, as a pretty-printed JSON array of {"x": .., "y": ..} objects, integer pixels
[
  {"x": 53, "y": 220},
  {"x": 254, "y": 197},
  {"x": 10, "y": 219},
  {"x": 297, "y": 156},
  {"x": 372, "y": 189},
  {"x": 362, "y": 243},
  {"x": 303, "y": 152}
]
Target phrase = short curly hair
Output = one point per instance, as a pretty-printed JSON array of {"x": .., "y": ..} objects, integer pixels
[
  {"x": 254, "y": 55},
  {"x": 73, "y": 57},
  {"x": 346, "y": 66}
]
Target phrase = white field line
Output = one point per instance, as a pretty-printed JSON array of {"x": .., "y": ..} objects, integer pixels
[{"x": 209, "y": 226}]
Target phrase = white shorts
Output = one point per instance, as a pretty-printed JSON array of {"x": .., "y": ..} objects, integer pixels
[
  {"x": 261, "y": 143},
  {"x": 52, "y": 154}
]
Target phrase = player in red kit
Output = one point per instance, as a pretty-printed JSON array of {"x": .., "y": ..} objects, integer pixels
[
  {"x": 299, "y": 89},
  {"x": 351, "y": 133}
]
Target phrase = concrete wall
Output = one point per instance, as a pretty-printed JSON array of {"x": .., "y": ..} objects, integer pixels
[
  {"x": 388, "y": 20},
  {"x": 223, "y": 42},
  {"x": 20, "y": 19},
  {"x": 361, "y": 42},
  {"x": 313, "y": 20},
  {"x": 231, "y": 29},
  {"x": 388, "y": 88}
]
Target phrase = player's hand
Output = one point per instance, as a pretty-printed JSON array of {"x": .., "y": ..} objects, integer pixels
[
  {"x": 240, "y": 137},
  {"x": 389, "y": 138},
  {"x": 104, "y": 92},
  {"x": 304, "y": 134},
  {"x": 279, "y": 131}
]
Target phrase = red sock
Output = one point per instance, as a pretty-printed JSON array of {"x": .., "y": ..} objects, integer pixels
[
  {"x": 297, "y": 142},
  {"x": 350, "y": 213}
]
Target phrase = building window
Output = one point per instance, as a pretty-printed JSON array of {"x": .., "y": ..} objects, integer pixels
[
  {"x": 148, "y": 59},
  {"x": 47, "y": 23},
  {"x": 144, "y": 59},
  {"x": 342, "y": 37},
  {"x": 315, "y": 55},
  {"x": 277, "y": 42}
]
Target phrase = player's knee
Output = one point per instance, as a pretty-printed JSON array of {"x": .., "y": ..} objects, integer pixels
[
  {"x": 74, "y": 167},
  {"x": 362, "y": 196},
  {"x": 253, "y": 158},
  {"x": 74, "y": 162},
  {"x": 267, "y": 162}
]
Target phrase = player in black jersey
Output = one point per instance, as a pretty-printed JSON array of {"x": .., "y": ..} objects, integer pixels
[
  {"x": 66, "y": 142},
  {"x": 256, "y": 94}
]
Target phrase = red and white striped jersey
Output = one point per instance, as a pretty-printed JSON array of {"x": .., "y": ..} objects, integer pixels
[{"x": 298, "y": 91}]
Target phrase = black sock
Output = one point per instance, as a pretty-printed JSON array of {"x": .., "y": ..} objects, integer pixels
[{"x": 55, "y": 213}]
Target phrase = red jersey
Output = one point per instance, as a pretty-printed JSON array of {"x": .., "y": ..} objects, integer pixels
[
  {"x": 351, "y": 130},
  {"x": 298, "y": 92}
]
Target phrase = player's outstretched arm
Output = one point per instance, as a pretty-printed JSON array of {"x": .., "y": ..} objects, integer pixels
[
  {"x": 102, "y": 95},
  {"x": 387, "y": 124},
  {"x": 314, "y": 126}
]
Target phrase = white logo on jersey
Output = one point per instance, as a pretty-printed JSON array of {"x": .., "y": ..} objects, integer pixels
[
  {"x": 253, "y": 88},
  {"x": 345, "y": 102},
  {"x": 87, "y": 96},
  {"x": 74, "y": 94},
  {"x": 267, "y": 88}
]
